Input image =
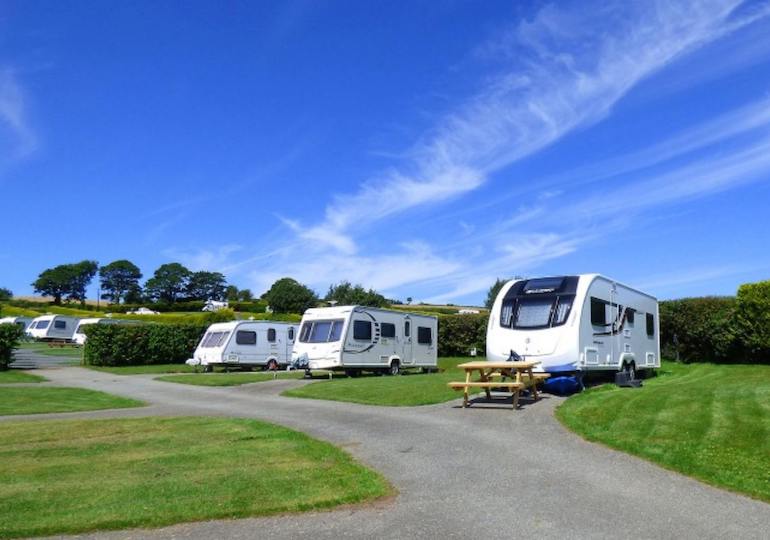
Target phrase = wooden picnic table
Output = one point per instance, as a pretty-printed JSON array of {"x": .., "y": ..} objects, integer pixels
[{"x": 491, "y": 375}]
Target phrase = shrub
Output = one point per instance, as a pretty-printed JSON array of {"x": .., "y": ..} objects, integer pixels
[
  {"x": 124, "y": 345},
  {"x": 752, "y": 320},
  {"x": 700, "y": 329},
  {"x": 220, "y": 315},
  {"x": 10, "y": 334},
  {"x": 458, "y": 334}
]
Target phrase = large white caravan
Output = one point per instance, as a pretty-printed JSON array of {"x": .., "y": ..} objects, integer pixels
[
  {"x": 575, "y": 324},
  {"x": 50, "y": 327},
  {"x": 246, "y": 343},
  {"x": 79, "y": 336},
  {"x": 22, "y": 322},
  {"x": 355, "y": 338}
]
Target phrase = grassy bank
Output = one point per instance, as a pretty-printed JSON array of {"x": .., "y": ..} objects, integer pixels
[
  {"x": 76, "y": 476},
  {"x": 12, "y": 376},
  {"x": 708, "y": 421},
  {"x": 31, "y": 400},
  {"x": 403, "y": 390}
]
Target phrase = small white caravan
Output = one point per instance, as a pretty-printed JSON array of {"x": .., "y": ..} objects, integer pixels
[
  {"x": 79, "y": 336},
  {"x": 246, "y": 343},
  {"x": 575, "y": 324},
  {"x": 23, "y": 322},
  {"x": 50, "y": 327},
  {"x": 356, "y": 338}
]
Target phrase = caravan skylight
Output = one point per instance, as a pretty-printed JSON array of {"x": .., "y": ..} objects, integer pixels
[{"x": 543, "y": 285}]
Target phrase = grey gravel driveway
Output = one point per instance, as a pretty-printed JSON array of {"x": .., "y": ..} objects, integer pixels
[{"x": 482, "y": 472}]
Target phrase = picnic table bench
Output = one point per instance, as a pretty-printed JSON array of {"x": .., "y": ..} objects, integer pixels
[{"x": 491, "y": 375}]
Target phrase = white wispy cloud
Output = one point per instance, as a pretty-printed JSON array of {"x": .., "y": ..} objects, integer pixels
[
  {"x": 21, "y": 139},
  {"x": 562, "y": 71}
]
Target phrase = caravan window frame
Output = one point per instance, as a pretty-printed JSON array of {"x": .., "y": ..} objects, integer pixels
[
  {"x": 390, "y": 332},
  {"x": 252, "y": 340},
  {"x": 362, "y": 330},
  {"x": 333, "y": 334},
  {"x": 272, "y": 335},
  {"x": 509, "y": 311},
  {"x": 650, "y": 320},
  {"x": 424, "y": 335}
]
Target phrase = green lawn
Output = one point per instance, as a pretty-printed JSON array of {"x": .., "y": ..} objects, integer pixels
[
  {"x": 403, "y": 390},
  {"x": 15, "y": 376},
  {"x": 140, "y": 370},
  {"x": 31, "y": 400},
  {"x": 229, "y": 379},
  {"x": 70, "y": 476},
  {"x": 42, "y": 348},
  {"x": 708, "y": 421}
]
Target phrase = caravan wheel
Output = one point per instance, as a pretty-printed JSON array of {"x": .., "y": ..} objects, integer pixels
[
  {"x": 395, "y": 368},
  {"x": 272, "y": 365},
  {"x": 208, "y": 369},
  {"x": 630, "y": 369}
]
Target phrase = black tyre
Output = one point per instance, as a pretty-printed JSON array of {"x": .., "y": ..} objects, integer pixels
[
  {"x": 630, "y": 369},
  {"x": 272, "y": 365},
  {"x": 395, "y": 368}
]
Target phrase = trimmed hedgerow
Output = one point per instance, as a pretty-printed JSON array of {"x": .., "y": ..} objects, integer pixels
[
  {"x": 132, "y": 345},
  {"x": 458, "y": 334}
]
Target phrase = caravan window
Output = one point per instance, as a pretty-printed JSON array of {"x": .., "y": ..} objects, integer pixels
[
  {"x": 321, "y": 331},
  {"x": 424, "y": 335},
  {"x": 271, "y": 335},
  {"x": 407, "y": 328},
  {"x": 650, "y": 324},
  {"x": 291, "y": 333},
  {"x": 543, "y": 285},
  {"x": 507, "y": 313},
  {"x": 245, "y": 337},
  {"x": 630, "y": 315},
  {"x": 362, "y": 330},
  {"x": 563, "y": 307},
  {"x": 533, "y": 313},
  {"x": 388, "y": 330},
  {"x": 598, "y": 312},
  {"x": 60, "y": 325},
  {"x": 42, "y": 325}
]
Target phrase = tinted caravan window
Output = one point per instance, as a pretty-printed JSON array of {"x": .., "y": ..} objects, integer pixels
[
  {"x": 598, "y": 312},
  {"x": 650, "y": 324},
  {"x": 630, "y": 315},
  {"x": 271, "y": 334},
  {"x": 291, "y": 333},
  {"x": 424, "y": 335},
  {"x": 246, "y": 337},
  {"x": 388, "y": 330},
  {"x": 60, "y": 324},
  {"x": 362, "y": 330}
]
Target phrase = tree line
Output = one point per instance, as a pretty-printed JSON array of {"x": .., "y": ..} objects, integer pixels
[{"x": 120, "y": 282}]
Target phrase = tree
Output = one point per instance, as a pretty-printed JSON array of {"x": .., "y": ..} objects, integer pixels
[
  {"x": 231, "y": 293},
  {"x": 167, "y": 283},
  {"x": 493, "y": 291},
  {"x": 134, "y": 295},
  {"x": 346, "y": 294},
  {"x": 5, "y": 294},
  {"x": 245, "y": 295},
  {"x": 206, "y": 286},
  {"x": 289, "y": 296},
  {"x": 753, "y": 319},
  {"x": 119, "y": 278},
  {"x": 68, "y": 280}
]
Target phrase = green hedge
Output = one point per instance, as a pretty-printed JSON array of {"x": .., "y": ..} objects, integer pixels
[
  {"x": 124, "y": 345},
  {"x": 718, "y": 329},
  {"x": 458, "y": 334},
  {"x": 10, "y": 334}
]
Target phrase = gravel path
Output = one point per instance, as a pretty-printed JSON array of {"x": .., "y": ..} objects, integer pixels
[{"x": 484, "y": 471}]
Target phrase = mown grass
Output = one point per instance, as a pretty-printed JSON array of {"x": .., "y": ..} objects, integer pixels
[
  {"x": 708, "y": 421},
  {"x": 69, "y": 477},
  {"x": 400, "y": 391},
  {"x": 39, "y": 347},
  {"x": 229, "y": 379},
  {"x": 14, "y": 376},
  {"x": 31, "y": 400},
  {"x": 141, "y": 370}
]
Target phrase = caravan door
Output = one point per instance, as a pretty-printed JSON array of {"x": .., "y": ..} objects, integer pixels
[{"x": 407, "y": 353}]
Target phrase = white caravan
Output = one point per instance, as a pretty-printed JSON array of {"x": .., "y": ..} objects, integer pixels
[
  {"x": 356, "y": 338},
  {"x": 79, "y": 336},
  {"x": 23, "y": 322},
  {"x": 49, "y": 327},
  {"x": 575, "y": 324},
  {"x": 246, "y": 343}
]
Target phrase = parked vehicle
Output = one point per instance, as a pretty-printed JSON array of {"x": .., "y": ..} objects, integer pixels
[
  {"x": 356, "y": 338},
  {"x": 53, "y": 327},
  {"x": 23, "y": 322},
  {"x": 246, "y": 343},
  {"x": 215, "y": 305},
  {"x": 142, "y": 311},
  {"x": 79, "y": 336},
  {"x": 575, "y": 324}
]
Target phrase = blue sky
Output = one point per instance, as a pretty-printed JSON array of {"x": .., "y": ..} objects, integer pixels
[{"x": 420, "y": 148}]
